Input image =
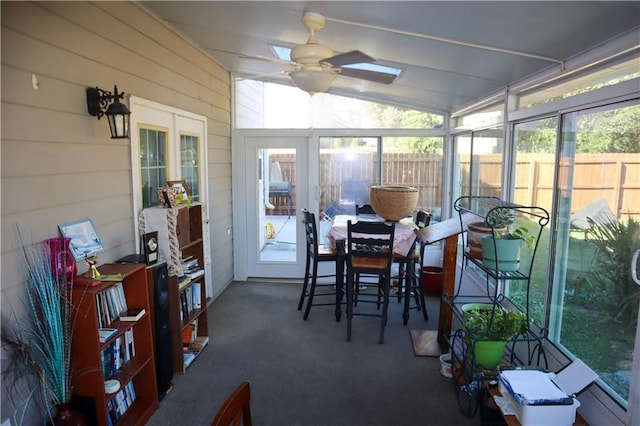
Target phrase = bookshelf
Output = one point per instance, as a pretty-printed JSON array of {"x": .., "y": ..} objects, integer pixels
[
  {"x": 129, "y": 350},
  {"x": 181, "y": 242}
]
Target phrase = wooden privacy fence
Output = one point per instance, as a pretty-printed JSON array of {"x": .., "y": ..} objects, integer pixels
[{"x": 614, "y": 177}]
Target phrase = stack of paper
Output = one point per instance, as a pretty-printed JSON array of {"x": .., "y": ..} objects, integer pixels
[{"x": 533, "y": 387}]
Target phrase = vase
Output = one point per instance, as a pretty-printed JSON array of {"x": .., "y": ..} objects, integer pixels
[
  {"x": 63, "y": 265},
  {"x": 65, "y": 416}
]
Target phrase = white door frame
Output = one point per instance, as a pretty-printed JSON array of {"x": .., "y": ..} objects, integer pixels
[
  {"x": 245, "y": 199},
  {"x": 177, "y": 122}
]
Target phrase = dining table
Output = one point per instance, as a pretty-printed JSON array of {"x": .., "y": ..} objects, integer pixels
[{"x": 403, "y": 251}]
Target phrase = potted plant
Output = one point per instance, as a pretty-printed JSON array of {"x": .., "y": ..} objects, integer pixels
[
  {"x": 498, "y": 220},
  {"x": 505, "y": 242},
  {"x": 489, "y": 328}
]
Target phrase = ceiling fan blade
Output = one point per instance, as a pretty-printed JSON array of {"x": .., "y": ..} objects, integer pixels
[
  {"x": 347, "y": 58},
  {"x": 261, "y": 76},
  {"x": 376, "y": 76},
  {"x": 267, "y": 59}
]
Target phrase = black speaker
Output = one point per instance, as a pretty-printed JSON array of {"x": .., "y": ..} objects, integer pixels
[
  {"x": 161, "y": 327},
  {"x": 158, "y": 283}
]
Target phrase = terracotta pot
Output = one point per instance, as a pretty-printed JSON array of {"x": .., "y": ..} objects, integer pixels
[{"x": 475, "y": 232}]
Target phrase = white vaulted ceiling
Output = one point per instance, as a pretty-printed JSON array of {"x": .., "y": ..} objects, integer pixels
[{"x": 450, "y": 53}]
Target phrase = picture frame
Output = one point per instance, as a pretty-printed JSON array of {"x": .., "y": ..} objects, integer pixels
[
  {"x": 182, "y": 186},
  {"x": 150, "y": 246},
  {"x": 85, "y": 241}
]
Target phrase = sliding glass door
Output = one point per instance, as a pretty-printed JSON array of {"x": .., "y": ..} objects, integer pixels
[{"x": 594, "y": 301}]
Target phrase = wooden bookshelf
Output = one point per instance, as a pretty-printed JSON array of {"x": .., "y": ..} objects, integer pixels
[
  {"x": 190, "y": 245},
  {"x": 86, "y": 353}
]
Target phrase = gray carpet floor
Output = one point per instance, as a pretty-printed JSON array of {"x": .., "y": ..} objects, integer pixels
[{"x": 305, "y": 372}]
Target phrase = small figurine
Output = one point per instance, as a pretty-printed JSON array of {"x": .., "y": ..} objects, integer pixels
[{"x": 92, "y": 272}]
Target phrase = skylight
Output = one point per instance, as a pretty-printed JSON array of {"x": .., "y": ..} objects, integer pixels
[{"x": 284, "y": 53}]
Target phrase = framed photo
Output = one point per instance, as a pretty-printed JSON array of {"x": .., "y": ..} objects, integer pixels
[
  {"x": 182, "y": 186},
  {"x": 84, "y": 238},
  {"x": 150, "y": 241}
]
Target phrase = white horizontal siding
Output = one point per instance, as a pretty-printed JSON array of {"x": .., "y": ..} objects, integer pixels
[{"x": 58, "y": 163}]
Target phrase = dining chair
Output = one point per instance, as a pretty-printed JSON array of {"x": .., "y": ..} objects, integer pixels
[
  {"x": 422, "y": 220},
  {"x": 364, "y": 209},
  {"x": 316, "y": 253},
  {"x": 236, "y": 409},
  {"x": 369, "y": 251}
]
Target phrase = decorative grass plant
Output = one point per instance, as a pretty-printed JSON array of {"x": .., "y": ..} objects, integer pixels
[{"x": 38, "y": 346}]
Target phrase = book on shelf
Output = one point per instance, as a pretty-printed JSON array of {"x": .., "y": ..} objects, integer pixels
[
  {"x": 133, "y": 314},
  {"x": 190, "y": 353},
  {"x": 189, "y": 263},
  {"x": 105, "y": 334},
  {"x": 188, "y": 358},
  {"x": 183, "y": 282},
  {"x": 196, "y": 274},
  {"x": 117, "y": 353},
  {"x": 120, "y": 403},
  {"x": 189, "y": 334},
  {"x": 112, "y": 277},
  {"x": 110, "y": 304}
]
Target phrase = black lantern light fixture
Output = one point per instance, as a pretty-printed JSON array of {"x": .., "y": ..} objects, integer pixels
[{"x": 100, "y": 102}]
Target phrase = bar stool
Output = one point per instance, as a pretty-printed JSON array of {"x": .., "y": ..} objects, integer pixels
[
  {"x": 316, "y": 253},
  {"x": 423, "y": 219},
  {"x": 369, "y": 251}
]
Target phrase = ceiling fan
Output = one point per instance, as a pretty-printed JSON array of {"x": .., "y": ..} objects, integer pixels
[{"x": 317, "y": 67}]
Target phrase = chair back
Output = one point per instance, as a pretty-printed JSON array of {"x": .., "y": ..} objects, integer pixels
[
  {"x": 364, "y": 209},
  {"x": 423, "y": 218},
  {"x": 236, "y": 409},
  {"x": 310, "y": 231},
  {"x": 370, "y": 246}
]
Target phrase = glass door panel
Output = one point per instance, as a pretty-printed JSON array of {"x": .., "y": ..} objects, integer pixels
[
  {"x": 272, "y": 239},
  {"x": 347, "y": 167},
  {"x": 594, "y": 306},
  {"x": 277, "y": 217}
]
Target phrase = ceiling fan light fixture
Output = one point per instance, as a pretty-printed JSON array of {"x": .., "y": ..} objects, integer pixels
[{"x": 312, "y": 81}]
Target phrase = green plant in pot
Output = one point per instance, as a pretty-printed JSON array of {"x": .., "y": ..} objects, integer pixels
[
  {"x": 490, "y": 327},
  {"x": 498, "y": 220},
  {"x": 506, "y": 241}
]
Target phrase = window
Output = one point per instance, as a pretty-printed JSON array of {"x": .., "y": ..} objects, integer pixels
[
  {"x": 418, "y": 162},
  {"x": 288, "y": 107},
  {"x": 625, "y": 70},
  {"x": 153, "y": 164},
  {"x": 534, "y": 172},
  {"x": 349, "y": 166},
  {"x": 167, "y": 144},
  {"x": 479, "y": 163},
  {"x": 594, "y": 303},
  {"x": 189, "y": 160}
]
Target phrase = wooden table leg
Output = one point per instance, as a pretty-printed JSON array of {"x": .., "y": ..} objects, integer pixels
[{"x": 448, "y": 286}]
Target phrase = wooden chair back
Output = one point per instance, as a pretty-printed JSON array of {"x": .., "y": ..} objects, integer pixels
[
  {"x": 370, "y": 246},
  {"x": 235, "y": 410}
]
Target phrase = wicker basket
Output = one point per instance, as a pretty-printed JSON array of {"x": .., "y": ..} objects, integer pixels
[{"x": 393, "y": 202}]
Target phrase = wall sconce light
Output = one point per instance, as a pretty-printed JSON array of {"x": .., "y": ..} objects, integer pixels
[{"x": 100, "y": 102}]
